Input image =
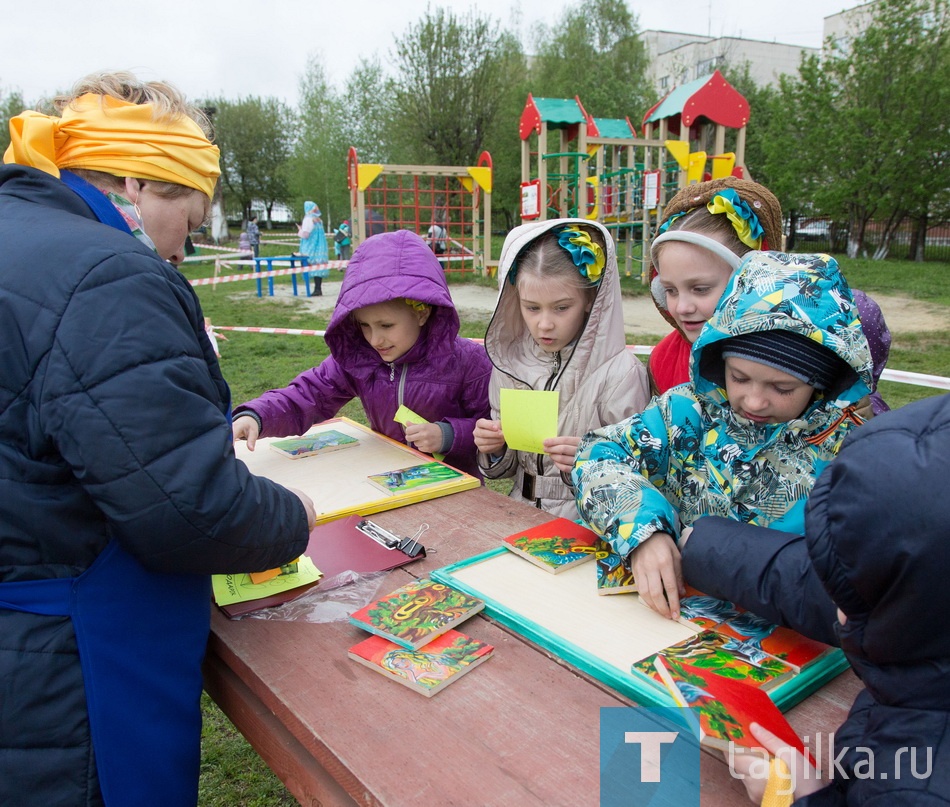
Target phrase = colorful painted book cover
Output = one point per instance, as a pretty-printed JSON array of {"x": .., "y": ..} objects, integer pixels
[
  {"x": 612, "y": 576},
  {"x": 726, "y": 709},
  {"x": 795, "y": 650},
  {"x": 417, "y": 613},
  {"x": 320, "y": 443},
  {"x": 427, "y": 670},
  {"x": 415, "y": 476},
  {"x": 702, "y": 612},
  {"x": 716, "y": 654},
  {"x": 555, "y": 545}
]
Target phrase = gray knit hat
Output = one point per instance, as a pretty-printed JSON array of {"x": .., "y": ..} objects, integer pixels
[{"x": 789, "y": 352}]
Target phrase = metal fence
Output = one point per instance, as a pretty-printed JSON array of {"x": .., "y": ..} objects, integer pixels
[{"x": 827, "y": 235}]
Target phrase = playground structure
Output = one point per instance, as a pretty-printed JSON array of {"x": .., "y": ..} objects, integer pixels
[
  {"x": 416, "y": 197},
  {"x": 576, "y": 165}
]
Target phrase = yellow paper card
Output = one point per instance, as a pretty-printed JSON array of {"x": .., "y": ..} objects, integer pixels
[
  {"x": 232, "y": 588},
  {"x": 405, "y": 415},
  {"x": 528, "y": 418}
]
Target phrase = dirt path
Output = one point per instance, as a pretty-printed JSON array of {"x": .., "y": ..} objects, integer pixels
[{"x": 903, "y": 314}]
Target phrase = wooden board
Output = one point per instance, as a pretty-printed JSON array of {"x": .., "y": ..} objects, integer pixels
[
  {"x": 338, "y": 481},
  {"x": 602, "y": 636}
]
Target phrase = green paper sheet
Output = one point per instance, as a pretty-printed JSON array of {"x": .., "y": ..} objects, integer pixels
[
  {"x": 232, "y": 588},
  {"x": 528, "y": 418},
  {"x": 404, "y": 415}
]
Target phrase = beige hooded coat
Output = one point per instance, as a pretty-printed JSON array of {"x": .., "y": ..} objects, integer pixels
[{"x": 599, "y": 380}]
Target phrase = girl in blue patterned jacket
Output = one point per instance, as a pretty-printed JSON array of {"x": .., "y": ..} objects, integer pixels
[{"x": 777, "y": 371}]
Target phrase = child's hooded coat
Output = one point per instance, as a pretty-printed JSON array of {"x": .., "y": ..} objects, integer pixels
[
  {"x": 689, "y": 455},
  {"x": 598, "y": 379},
  {"x": 443, "y": 377}
]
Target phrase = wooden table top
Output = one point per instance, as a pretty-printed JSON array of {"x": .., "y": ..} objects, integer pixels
[{"x": 522, "y": 729}]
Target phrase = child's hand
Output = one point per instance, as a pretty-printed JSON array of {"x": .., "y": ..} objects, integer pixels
[
  {"x": 657, "y": 569},
  {"x": 245, "y": 428},
  {"x": 803, "y": 778},
  {"x": 562, "y": 451},
  {"x": 488, "y": 436},
  {"x": 426, "y": 437}
]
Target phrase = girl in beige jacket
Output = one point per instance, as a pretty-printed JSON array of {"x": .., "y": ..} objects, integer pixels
[{"x": 558, "y": 325}]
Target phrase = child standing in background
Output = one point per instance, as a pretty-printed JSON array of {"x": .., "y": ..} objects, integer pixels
[
  {"x": 558, "y": 325},
  {"x": 776, "y": 374},
  {"x": 394, "y": 340},
  {"x": 254, "y": 235},
  {"x": 313, "y": 244}
]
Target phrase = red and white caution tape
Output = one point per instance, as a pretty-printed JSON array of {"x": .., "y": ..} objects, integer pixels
[{"x": 291, "y": 331}]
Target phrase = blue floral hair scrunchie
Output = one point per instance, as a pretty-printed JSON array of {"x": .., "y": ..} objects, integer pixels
[
  {"x": 588, "y": 257},
  {"x": 744, "y": 221}
]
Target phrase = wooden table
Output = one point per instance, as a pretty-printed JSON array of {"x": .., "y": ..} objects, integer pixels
[{"x": 522, "y": 729}]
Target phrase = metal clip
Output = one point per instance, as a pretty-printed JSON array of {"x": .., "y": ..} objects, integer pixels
[{"x": 378, "y": 534}]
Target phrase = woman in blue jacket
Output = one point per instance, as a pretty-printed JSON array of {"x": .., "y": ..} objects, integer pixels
[{"x": 119, "y": 490}]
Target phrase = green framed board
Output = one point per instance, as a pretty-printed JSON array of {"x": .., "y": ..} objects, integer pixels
[{"x": 601, "y": 635}]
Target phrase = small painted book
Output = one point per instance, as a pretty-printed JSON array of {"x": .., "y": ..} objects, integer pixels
[
  {"x": 612, "y": 576},
  {"x": 716, "y": 654},
  {"x": 413, "y": 477},
  {"x": 319, "y": 443},
  {"x": 726, "y": 709},
  {"x": 701, "y": 612},
  {"x": 555, "y": 545},
  {"x": 427, "y": 670},
  {"x": 786, "y": 645},
  {"x": 417, "y": 613}
]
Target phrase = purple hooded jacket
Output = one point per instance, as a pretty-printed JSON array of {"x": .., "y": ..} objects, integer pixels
[{"x": 443, "y": 377}]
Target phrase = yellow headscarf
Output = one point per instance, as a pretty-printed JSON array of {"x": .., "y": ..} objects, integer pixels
[{"x": 102, "y": 133}]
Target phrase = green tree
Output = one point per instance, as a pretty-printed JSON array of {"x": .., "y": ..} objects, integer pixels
[
  {"x": 255, "y": 137},
  {"x": 451, "y": 80},
  {"x": 11, "y": 104},
  {"x": 866, "y": 126},
  {"x": 319, "y": 159},
  {"x": 594, "y": 52}
]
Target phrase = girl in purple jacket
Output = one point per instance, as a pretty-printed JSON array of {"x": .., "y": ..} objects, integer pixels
[{"x": 394, "y": 340}]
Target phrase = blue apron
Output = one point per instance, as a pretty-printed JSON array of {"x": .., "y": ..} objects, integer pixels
[{"x": 141, "y": 638}]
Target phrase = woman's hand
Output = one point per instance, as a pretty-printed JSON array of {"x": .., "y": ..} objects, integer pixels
[
  {"x": 488, "y": 436},
  {"x": 426, "y": 437},
  {"x": 562, "y": 451},
  {"x": 244, "y": 427},
  {"x": 307, "y": 503},
  {"x": 657, "y": 570}
]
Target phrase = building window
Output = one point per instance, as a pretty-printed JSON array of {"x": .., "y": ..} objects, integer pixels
[
  {"x": 664, "y": 82},
  {"x": 706, "y": 66}
]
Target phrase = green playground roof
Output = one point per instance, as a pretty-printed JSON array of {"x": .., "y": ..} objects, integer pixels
[
  {"x": 559, "y": 110},
  {"x": 613, "y": 127}
]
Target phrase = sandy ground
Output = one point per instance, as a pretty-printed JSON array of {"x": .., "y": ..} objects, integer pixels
[{"x": 640, "y": 317}]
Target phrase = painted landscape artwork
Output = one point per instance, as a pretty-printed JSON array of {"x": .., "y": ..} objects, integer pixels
[
  {"x": 417, "y": 613},
  {"x": 612, "y": 576},
  {"x": 415, "y": 476},
  {"x": 321, "y": 443},
  {"x": 555, "y": 545},
  {"x": 427, "y": 670}
]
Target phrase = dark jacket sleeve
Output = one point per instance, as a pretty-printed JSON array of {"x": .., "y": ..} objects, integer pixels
[
  {"x": 136, "y": 406},
  {"x": 312, "y": 397},
  {"x": 765, "y": 571}
]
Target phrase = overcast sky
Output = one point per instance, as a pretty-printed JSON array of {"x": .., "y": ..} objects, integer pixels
[{"x": 241, "y": 48}]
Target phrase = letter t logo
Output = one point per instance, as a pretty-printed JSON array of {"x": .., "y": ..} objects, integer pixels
[{"x": 650, "y": 742}]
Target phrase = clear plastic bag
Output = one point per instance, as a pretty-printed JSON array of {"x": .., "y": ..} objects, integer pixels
[{"x": 331, "y": 601}]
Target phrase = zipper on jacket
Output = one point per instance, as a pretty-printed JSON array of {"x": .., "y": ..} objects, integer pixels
[
  {"x": 557, "y": 368},
  {"x": 392, "y": 370},
  {"x": 401, "y": 391}
]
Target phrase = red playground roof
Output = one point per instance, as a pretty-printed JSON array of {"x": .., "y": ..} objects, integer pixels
[{"x": 711, "y": 97}]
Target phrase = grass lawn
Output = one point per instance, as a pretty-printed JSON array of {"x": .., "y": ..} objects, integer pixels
[{"x": 232, "y": 774}]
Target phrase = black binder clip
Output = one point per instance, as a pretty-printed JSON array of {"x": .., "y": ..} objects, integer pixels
[{"x": 408, "y": 546}]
